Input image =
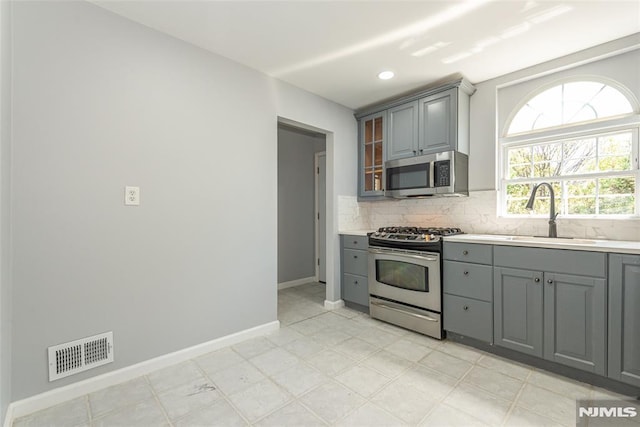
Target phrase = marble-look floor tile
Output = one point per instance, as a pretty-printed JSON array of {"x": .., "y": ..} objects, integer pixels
[
  {"x": 355, "y": 348},
  {"x": 547, "y": 403},
  {"x": 409, "y": 350},
  {"x": 560, "y": 385},
  {"x": 284, "y": 336},
  {"x": 292, "y": 415},
  {"x": 253, "y": 347},
  {"x": 220, "y": 414},
  {"x": 332, "y": 401},
  {"x": 275, "y": 361},
  {"x": 520, "y": 417},
  {"x": 304, "y": 347},
  {"x": 433, "y": 384},
  {"x": 371, "y": 416},
  {"x": 378, "y": 337},
  {"x": 181, "y": 400},
  {"x": 259, "y": 399},
  {"x": 331, "y": 363},
  {"x": 72, "y": 413},
  {"x": 405, "y": 402},
  {"x": 460, "y": 351},
  {"x": 142, "y": 414},
  {"x": 504, "y": 366},
  {"x": 300, "y": 379},
  {"x": 309, "y": 326},
  {"x": 494, "y": 382},
  {"x": 446, "y": 364},
  {"x": 237, "y": 378},
  {"x": 479, "y": 404},
  {"x": 362, "y": 380},
  {"x": 174, "y": 376},
  {"x": 118, "y": 396},
  {"x": 218, "y": 360},
  {"x": 329, "y": 337},
  {"x": 387, "y": 363},
  {"x": 447, "y": 416}
]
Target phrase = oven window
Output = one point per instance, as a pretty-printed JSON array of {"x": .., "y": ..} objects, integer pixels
[{"x": 402, "y": 275}]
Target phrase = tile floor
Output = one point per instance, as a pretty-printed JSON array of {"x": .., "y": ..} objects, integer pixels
[{"x": 337, "y": 368}]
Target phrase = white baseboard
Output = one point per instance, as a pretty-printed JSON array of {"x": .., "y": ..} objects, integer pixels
[
  {"x": 332, "y": 305},
  {"x": 297, "y": 282},
  {"x": 54, "y": 397}
]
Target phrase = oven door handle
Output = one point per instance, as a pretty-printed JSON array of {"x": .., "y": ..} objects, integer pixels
[
  {"x": 421, "y": 257},
  {"x": 420, "y": 316}
]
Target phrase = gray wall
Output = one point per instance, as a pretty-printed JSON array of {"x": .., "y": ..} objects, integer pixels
[
  {"x": 483, "y": 143},
  {"x": 100, "y": 102},
  {"x": 5, "y": 238},
  {"x": 296, "y": 203}
]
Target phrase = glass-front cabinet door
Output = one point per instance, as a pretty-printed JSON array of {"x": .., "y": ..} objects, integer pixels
[{"x": 372, "y": 138}]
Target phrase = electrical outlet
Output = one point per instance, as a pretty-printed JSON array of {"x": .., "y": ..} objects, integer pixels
[{"x": 131, "y": 196}]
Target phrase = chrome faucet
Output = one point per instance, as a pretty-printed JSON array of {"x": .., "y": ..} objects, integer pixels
[{"x": 553, "y": 232}]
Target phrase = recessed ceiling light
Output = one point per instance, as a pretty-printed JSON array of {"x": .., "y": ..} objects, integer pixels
[{"x": 386, "y": 75}]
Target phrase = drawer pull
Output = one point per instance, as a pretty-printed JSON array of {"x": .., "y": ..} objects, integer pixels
[
  {"x": 355, "y": 282},
  {"x": 355, "y": 242},
  {"x": 465, "y": 252},
  {"x": 355, "y": 257},
  {"x": 550, "y": 282},
  {"x": 465, "y": 308},
  {"x": 537, "y": 280},
  {"x": 420, "y": 316},
  {"x": 466, "y": 273}
]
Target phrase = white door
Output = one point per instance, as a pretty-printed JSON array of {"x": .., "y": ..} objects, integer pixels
[{"x": 321, "y": 220}]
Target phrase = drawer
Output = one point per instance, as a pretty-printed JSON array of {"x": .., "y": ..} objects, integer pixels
[
  {"x": 468, "y": 280},
  {"x": 468, "y": 317},
  {"x": 355, "y": 262},
  {"x": 580, "y": 263},
  {"x": 468, "y": 252},
  {"x": 355, "y": 289},
  {"x": 355, "y": 242}
]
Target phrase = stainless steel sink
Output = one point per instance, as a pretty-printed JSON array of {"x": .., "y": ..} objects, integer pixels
[{"x": 552, "y": 240}]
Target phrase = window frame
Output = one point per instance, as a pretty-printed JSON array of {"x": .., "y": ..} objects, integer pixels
[{"x": 594, "y": 128}]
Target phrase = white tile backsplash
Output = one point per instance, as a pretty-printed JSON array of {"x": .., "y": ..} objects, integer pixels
[{"x": 475, "y": 214}]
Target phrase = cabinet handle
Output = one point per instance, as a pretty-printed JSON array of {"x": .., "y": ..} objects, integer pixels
[
  {"x": 549, "y": 281},
  {"x": 421, "y": 150},
  {"x": 415, "y": 152},
  {"x": 537, "y": 279},
  {"x": 465, "y": 308},
  {"x": 355, "y": 256},
  {"x": 355, "y": 282},
  {"x": 465, "y": 252},
  {"x": 466, "y": 273},
  {"x": 355, "y": 242}
]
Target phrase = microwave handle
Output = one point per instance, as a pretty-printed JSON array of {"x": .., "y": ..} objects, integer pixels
[{"x": 432, "y": 174}]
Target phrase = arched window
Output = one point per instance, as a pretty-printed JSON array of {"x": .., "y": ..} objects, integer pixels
[{"x": 582, "y": 138}]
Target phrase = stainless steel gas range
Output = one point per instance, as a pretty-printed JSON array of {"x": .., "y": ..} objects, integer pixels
[{"x": 405, "y": 279}]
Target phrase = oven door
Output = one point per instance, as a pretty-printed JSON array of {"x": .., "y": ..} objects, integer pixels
[{"x": 408, "y": 277}]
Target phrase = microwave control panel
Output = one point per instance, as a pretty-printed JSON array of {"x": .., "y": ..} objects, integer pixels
[{"x": 442, "y": 172}]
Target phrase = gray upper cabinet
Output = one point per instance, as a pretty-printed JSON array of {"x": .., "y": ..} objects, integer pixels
[
  {"x": 402, "y": 131},
  {"x": 552, "y": 304},
  {"x": 372, "y": 135},
  {"x": 438, "y": 123},
  {"x": 431, "y": 120},
  {"x": 624, "y": 318}
]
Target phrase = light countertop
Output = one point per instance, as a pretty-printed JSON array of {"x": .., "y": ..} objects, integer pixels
[
  {"x": 593, "y": 245},
  {"x": 355, "y": 232}
]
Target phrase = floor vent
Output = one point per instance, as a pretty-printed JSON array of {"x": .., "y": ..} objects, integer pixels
[{"x": 78, "y": 356}]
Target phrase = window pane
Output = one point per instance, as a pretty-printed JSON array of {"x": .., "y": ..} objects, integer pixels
[
  {"x": 547, "y": 152},
  {"x": 581, "y": 197},
  {"x": 615, "y": 163},
  {"x": 579, "y": 148},
  {"x": 617, "y": 205},
  {"x": 368, "y": 131},
  {"x": 578, "y": 166},
  {"x": 378, "y": 129},
  {"x": 520, "y": 171},
  {"x": 368, "y": 155},
  {"x": 517, "y": 196},
  {"x": 541, "y": 170},
  {"x": 569, "y": 103},
  {"x": 620, "y": 185},
  {"x": 520, "y": 155},
  {"x": 378, "y": 154}
]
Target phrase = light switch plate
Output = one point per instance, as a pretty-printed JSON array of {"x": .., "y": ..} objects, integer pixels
[{"x": 131, "y": 196}]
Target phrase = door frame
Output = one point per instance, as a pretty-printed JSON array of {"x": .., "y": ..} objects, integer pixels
[{"x": 316, "y": 166}]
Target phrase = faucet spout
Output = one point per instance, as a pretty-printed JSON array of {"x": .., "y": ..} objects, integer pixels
[{"x": 553, "y": 231}]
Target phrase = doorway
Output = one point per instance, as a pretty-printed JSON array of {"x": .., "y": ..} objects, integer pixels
[{"x": 301, "y": 206}]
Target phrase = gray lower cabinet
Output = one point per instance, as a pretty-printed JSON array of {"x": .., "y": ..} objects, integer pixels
[
  {"x": 624, "y": 318},
  {"x": 354, "y": 262},
  {"x": 552, "y": 310},
  {"x": 467, "y": 290}
]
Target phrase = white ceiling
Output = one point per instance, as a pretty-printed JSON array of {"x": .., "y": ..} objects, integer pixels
[{"x": 336, "y": 48}]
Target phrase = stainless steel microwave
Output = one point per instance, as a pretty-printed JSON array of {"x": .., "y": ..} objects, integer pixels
[{"x": 440, "y": 174}]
